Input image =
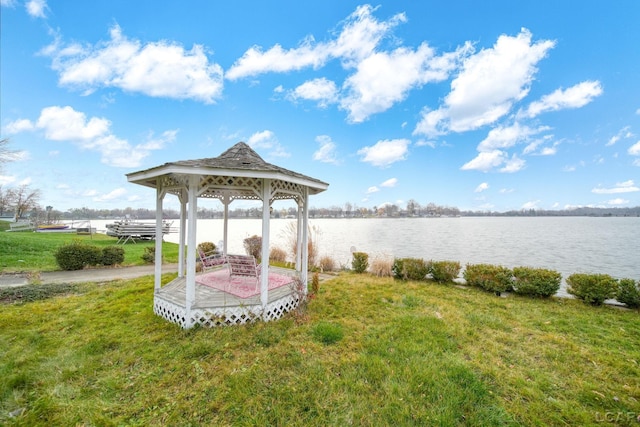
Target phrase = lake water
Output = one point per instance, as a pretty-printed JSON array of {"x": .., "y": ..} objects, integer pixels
[{"x": 565, "y": 244}]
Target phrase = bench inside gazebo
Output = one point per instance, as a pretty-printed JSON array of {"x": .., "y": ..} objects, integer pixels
[{"x": 216, "y": 297}]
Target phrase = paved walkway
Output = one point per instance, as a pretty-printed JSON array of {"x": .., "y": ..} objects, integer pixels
[{"x": 89, "y": 275}]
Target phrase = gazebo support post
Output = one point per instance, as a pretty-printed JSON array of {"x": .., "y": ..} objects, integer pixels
[
  {"x": 299, "y": 238},
  {"x": 182, "y": 234},
  {"x": 225, "y": 201},
  {"x": 266, "y": 217},
  {"x": 158, "y": 254},
  {"x": 305, "y": 240},
  {"x": 190, "y": 296}
]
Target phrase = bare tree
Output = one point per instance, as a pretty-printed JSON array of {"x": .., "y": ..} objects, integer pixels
[
  {"x": 23, "y": 199},
  {"x": 413, "y": 207},
  {"x": 5, "y": 200},
  {"x": 6, "y": 155},
  {"x": 347, "y": 208}
]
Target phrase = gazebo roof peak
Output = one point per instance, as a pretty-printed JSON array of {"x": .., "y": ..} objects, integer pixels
[{"x": 241, "y": 153}]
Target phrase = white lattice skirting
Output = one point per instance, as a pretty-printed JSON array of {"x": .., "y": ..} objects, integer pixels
[{"x": 224, "y": 316}]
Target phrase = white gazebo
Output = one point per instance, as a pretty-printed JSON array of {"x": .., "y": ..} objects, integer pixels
[{"x": 238, "y": 173}]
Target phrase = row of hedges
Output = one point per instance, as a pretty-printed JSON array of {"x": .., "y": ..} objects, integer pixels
[
  {"x": 418, "y": 269},
  {"x": 78, "y": 255},
  {"x": 596, "y": 288},
  {"x": 535, "y": 282}
]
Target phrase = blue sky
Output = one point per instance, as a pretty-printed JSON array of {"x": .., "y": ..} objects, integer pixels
[{"x": 493, "y": 106}]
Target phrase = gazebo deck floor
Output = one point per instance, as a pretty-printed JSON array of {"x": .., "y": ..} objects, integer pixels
[{"x": 207, "y": 297}]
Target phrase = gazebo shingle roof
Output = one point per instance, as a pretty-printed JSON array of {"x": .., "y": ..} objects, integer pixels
[{"x": 239, "y": 157}]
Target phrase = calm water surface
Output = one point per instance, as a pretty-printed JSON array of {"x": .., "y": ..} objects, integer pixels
[{"x": 566, "y": 244}]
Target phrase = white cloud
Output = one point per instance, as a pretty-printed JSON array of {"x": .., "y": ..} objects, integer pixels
[
  {"x": 531, "y": 205},
  {"x": 372, "y": 189},
  {"x": 485, "y": 161},
  {"x": 64, "y": 124},
  {"x": 488, "y": 85},
  {"x": 488, "y": 160},
  {"x": 625, "y": 132},
  {"x": 514, "y": 164},
  {"x": 359, "y": 37},
  {"x": 158, "y": 143},
  {"x": 617, "y": 202},
  {"x": 482, "y": 187},
  {"x": 7, "y": 179},
  {"x": 327, "y": 151},
  {"x": 620, "y": 187},
  {"x": 383, "y": 79},
  {"x": 549, "y": 151},
  {"x": 390, "y": 183},
  {"x": 385, "y": 152},
  {"x": 267, "y": 140},
  {"x": 20, "y": 125},
  {"x": 574, "y": 97},
  {"x": 113, "y": 195},
  {"x": 425, "y": 143},
  {"x": 8, "y": 3},
  {"x": 255, "y": 61},
  {"x": 634, "y": 150},
  {"x": 36, "y": 8},
  {"x": 159, "y": 69},
  {"x": 493, "y": 149},
  {"x": 507, "y": 136},
  {"x": 321, "y": 90}
]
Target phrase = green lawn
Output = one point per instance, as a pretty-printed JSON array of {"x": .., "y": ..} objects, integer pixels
[
  {"x": 366, "y": 351},
  {"x": 31, "y": 252}
]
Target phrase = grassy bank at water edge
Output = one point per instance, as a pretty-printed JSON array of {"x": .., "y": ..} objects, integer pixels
[
  {"x": 28, "y": 251},
  {"x": 366, "y": 351}
]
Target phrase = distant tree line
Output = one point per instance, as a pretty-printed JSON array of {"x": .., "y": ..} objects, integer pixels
[
  {"x": 49, "y": 214},
  {"x": 23, "y": 203}
]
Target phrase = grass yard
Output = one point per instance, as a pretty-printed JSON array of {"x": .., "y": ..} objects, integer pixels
[
  {"x": 367, "y": 351},
  {"x": 27, "y": 251}
]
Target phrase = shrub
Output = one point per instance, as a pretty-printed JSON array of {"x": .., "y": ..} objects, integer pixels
[
  {"x": 277, "y": 255},
  {"x": 253, "y": 246},
  {"x": 397, "y": 269},
  {"x": 444, "y": 271},
  {"x": 382, "y": 266},
  {"x": 629, "y": 293},
  {"x": 313, "y": 237},
  {"x": 360, "y": 262},
  {"x": 112, "y": 255},
  {"x": 537, "y": 282},
  {"x": 492, "y": 278},
  {"x": 328, "y": 333},
  {"x": 149, "y": 255},
  {"x": 315, "y": 284},
  {"x": 327, "y": 263},
  {"x": 77, "y": 255},
  {"x": 410, "y": 269},
  {"x": 207, "y": 247},
  {"x": 592, "y": 288}
]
